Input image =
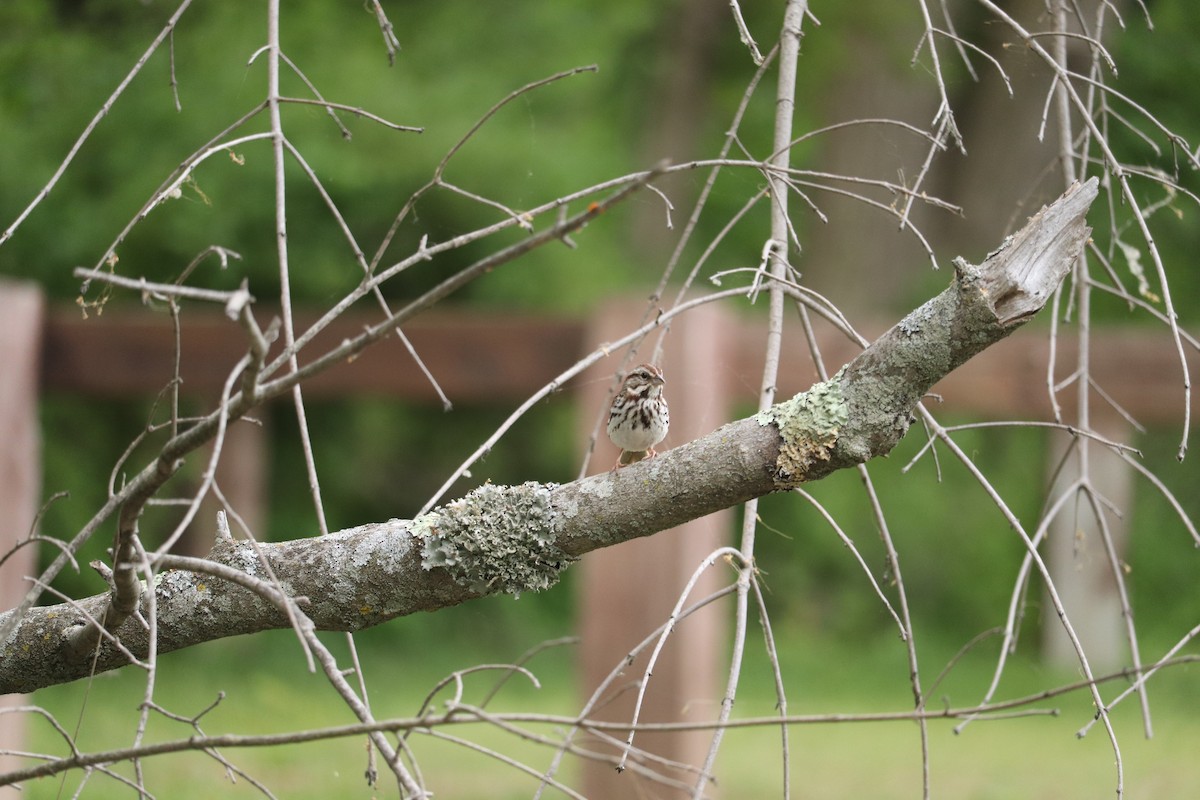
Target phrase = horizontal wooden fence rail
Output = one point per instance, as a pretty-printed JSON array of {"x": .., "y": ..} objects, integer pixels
[
  {"x": 486, "y": 356},
  {"x": 476, "y": 356}
]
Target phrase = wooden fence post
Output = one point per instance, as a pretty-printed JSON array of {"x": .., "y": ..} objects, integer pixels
[
  {"x": 242, "y": 475},
  {"x": 21, "y": 315},
  {"x": 628, "y": 591},
  {"x": 1076, "y": 556}
]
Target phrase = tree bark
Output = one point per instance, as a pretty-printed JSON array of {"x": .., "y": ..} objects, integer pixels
[{"x": 518, "y": 538}]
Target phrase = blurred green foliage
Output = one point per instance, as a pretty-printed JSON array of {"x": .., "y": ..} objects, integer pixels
[
  {"x": 378, "y": 459},
  {"x": 1156, "y": 66},
  {"x": 532, "y": 150}
]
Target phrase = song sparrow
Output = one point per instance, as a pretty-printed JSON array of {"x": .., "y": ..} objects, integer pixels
[{"x": 639, "y": 417}]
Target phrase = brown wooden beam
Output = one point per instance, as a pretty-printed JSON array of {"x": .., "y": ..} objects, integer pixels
[
  {"x": 480, "y": 357},
  {"x": 1138, "y": 367},
  {"x": 475, "y": 356},
  {"x": 21, "y": 324}
]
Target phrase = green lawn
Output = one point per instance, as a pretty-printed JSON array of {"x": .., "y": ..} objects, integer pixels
[{"x": 267, "y": 690}]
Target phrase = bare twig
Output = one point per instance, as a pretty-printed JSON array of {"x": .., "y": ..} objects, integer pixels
[
  {"x": 358, "y": 112},
  {"x": 150, "y": 289},
  {"x": 162, "y": 36},
  {"x": 458, "y": 716},
  {"x": 785, "y": 102}
]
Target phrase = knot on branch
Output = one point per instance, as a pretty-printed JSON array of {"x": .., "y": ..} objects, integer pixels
[
  {"x": 495, "y": 538},
  {"x": 809, "y": 425}
]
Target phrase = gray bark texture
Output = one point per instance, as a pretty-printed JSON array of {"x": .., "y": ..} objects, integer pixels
[{"x": 518, "y": 538}]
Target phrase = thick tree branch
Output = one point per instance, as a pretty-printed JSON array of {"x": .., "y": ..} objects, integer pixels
[
  {"x": 136, "y": 493},
  {"x": 519, "y": 538}
]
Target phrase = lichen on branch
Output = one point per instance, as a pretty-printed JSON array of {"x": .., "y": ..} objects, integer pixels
[
  {"x": 496, "y": 538},
  {"x": 809, "y": 424}
]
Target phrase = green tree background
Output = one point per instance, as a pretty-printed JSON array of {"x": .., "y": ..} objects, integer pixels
[
  {"x": 64, "y": 59},
  {"x": 381, "y": 459}
]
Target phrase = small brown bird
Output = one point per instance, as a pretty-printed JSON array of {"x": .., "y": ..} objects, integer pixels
[{"x": 639, "y": 417}]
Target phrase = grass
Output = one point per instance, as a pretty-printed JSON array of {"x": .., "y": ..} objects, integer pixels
[{"x": 267, "y": 690}]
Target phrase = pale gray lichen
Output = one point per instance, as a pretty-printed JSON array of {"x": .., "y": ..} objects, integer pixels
[
  {"x": 809, "y": 425},
  {"x": 495, "y": 538}
]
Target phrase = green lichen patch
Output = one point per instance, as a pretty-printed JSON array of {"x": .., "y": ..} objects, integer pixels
[
  {"x": 809, "y": 425},
  {"x": 497, "y": 538}
]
